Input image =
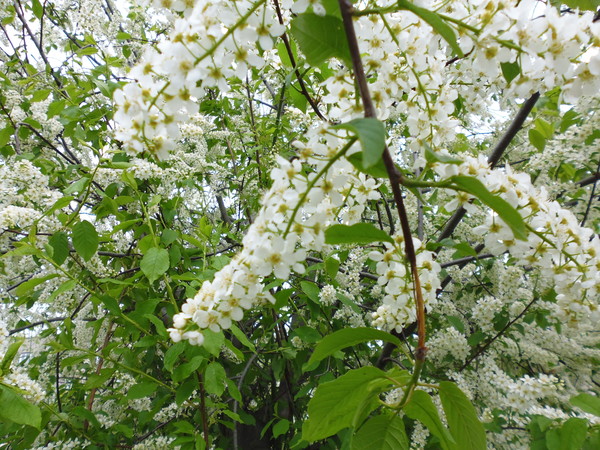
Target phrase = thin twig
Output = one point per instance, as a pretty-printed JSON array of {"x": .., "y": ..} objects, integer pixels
[{"x": 290, "y": 53}]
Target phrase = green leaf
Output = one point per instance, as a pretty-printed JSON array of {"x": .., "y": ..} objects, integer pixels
[
  {"x": 281, "y": 427},
  {"x": 79, "y": 186},
  {"x": 185, "y": 390},
  {"x": 9, "y": 356},
  {"x": 588, "y": 403},
  {"x": 239, "y": 334},
  {"x": 537, "y": 139},
  {"x": 433, "y": 157},
  {"x": 26, "y": 287},
  {"x": 570, "y": 436},
  {"x": 142, "y": 390},
  {"x": 343, "y": 402},
  {"x": 311, "y": 290},
  {"x": 456, "y": 323},
  {"x": 510, "y": 70},
  {"x": 214, "y": 379},
  {"x": 37, "y": 8},
  {"x": 545, "y": 128},
  {"x": 467, "y": 430},
  {"x": 185, "y": 370},
  {"x": 332, "y": 266},
  {"x": 110, "y": 303},
  {"x": 585, "y": 5},
  {"x": 348, "y": 337},
  {"x": 59, "y": 242},
  {"x": 381, "y": 433},
  {"x": 5, "y": 135},
  {"x": 378, "y": 170},
  {"x": 421, "y": 408},
  {"x": 571, "y": 117},
  {"x": 85, "y": 239},
  {"x": 64, "y": 287},
  {"x": 371, "y": 134},
  {"x": 14, "y": 408},
  {"x": 155, "y": 263},
  {"x": 436, "y": 22},
  {"x": 506, "y": 212},
  {"x": 320, "y": 38},
  {"x": 213, "y": 341},
  {"x": 360, "y": 233}
]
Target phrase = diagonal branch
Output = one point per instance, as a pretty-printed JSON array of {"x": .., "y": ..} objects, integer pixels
[
  {"x": 493, "y": 159},
  {"x": 290, "y": 53}
]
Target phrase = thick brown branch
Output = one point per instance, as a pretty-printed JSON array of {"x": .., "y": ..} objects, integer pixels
[{"x": 394, "y": 175}]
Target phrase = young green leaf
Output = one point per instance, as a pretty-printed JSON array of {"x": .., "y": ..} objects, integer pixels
[
  {"x": 155, "y": 263},
  {"x": 570, "y": 436},
  {"x": 433, "y": 157},
  {"x": 360, "y": 233},
  {"x": 142, "y": 390},
  {"x": 347, "y": 337},
  {"x": 9, "y": 356},
  {"x": 321, "y": 38},
  {"x": 85, "y": 239},
  {"x": 239, "y": 334},
  {"x": 510, "y": 70},
  {"x": 588, "y": 403},
  {"x": 421, "y": 408},
  {"x": 506, "y": 212},
  {"x": 59, "y": 242},
  {"x": 332, "y": 266},
  {"x": 214, "y": 379},
  {"x": 381, "y": 433},
  {"x": 172, "y": 354},
  {"x": 15, "y": 408},
  {"x": 371, "y": 134},
  {"x": 26, "y": 287},
  {"x": 467, "y": 430},
  {"x": 590, "y": 5},
  {"x": 281, "y": 427},
  {"x": 377, "y": 170},
  {"x": 537, "y": 139},
  {"x": 64, "y": 287},
  {"x": 343, "y": 402},
  {"x": 436, "y": 22}
]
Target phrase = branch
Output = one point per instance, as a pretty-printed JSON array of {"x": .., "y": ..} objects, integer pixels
[
  {"x": 395, "y": 177},
  {"x": 494, "y": 157},
  {"x": 290, "y": 53},
  {"x": 44, "y": 322},
  {"x": 589, "y": 204},
  {"x": 500, "y": 333}
]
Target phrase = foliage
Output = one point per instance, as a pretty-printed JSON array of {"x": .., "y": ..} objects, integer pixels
[{"x": 306, "y": 224}]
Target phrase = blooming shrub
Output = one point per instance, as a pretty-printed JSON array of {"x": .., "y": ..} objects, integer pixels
[{"x": 299, "y": 224}]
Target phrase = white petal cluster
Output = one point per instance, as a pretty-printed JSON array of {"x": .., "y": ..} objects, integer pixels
[
  {"x": 448, "y": 342},
  {"x": 398, "y": 306},
  {"x": 24, "y": 194},
  {"x": 296, "y": 211},
  {"x": 558, "y": 246},
  {"x": 215, "y": 41}
]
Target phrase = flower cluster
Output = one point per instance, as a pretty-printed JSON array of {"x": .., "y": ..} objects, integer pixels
[
  {"x": 557, "y": 245},
  {"x": 212, "y": 43},
  {"x": 303, "y": 201},
  {"x": 395, "y": 277}
]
